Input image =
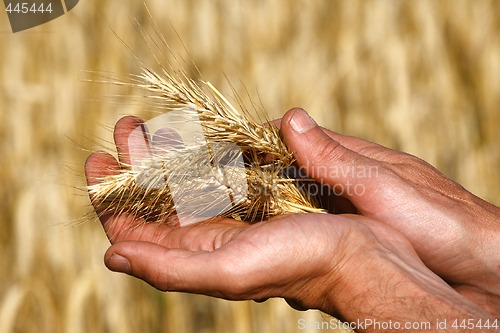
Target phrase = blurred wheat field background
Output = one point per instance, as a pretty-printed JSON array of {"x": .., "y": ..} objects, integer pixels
[{"x": 418, "y": 76}]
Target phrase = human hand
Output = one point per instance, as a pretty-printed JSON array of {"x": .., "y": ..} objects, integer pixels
[
  {"x": 455, "y": 233},
  {"x": 328, "y": 262}
]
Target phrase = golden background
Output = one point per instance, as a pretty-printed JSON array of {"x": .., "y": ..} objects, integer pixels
[{"x": 418, "y": 76}]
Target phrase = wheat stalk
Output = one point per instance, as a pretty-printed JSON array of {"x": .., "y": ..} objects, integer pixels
[{"x": 204, "y": 173}]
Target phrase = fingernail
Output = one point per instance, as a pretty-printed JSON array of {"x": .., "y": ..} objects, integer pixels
[
  {"x": 301, "y": 122},
  {"x": 118, "y": 263}
]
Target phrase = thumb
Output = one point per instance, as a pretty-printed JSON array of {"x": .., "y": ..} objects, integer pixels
[
  {"x": 346, "y": 172},
  {"x": 163, "y": 268}
]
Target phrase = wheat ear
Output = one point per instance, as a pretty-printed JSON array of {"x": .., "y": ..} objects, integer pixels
[{"x": 263, "y": 190}]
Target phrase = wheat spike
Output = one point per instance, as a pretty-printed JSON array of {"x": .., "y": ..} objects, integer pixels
[{"x": 195, "y": 179}]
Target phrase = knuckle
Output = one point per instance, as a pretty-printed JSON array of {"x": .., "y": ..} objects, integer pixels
[{"x": 330, "y": 150}]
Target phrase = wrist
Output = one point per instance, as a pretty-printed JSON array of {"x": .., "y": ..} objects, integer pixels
[
  {"x": 473, "y": 268},
  {"x": 483, "y": 238},
  {"x": 392, "y": 291}
]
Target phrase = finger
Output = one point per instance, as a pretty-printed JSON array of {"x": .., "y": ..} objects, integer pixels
[
  {"x": 166, "y": 139},
  {"x": 347, "y": 173},
  {"x": 125, "y": 227},
  {"x": 174, "y": 269},
  {"x": 275, "y": 122},
  {"x": 363, "y": 147},
  {"x": 178, "y": 270},
  {"x": 204, "y": 236},
  {"x": 118, "y": 227},
  {"x": 98, "y": 166},
  {"x": 131, "y": 139}
]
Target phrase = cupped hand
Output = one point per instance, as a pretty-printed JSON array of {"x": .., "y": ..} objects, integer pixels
[
  {"x": 347, "y": 265},
  {"x": 455, "y": 233}
]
